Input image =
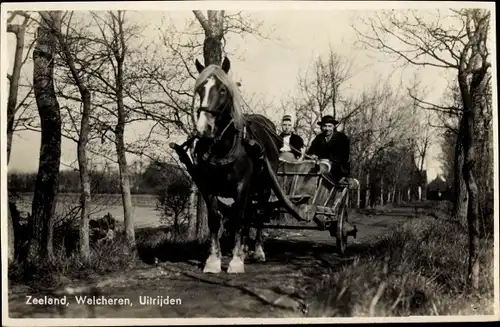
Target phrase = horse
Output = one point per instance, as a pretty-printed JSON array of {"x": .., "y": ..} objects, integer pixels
[{"x": 235, "y": 156}]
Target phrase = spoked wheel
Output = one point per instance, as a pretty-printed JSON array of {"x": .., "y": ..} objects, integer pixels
[{"x": 341, "y": 236}]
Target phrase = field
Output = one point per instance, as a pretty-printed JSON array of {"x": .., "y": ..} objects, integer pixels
[{"x": 144, "y": 205}]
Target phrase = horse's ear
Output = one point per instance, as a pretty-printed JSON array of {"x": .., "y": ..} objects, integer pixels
[
  {"x": 226, "y": 65},
  {"x": 199, "y": 66}
]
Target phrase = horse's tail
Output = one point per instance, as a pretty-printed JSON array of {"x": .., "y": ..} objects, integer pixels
[{"x": 279, "y": 191}]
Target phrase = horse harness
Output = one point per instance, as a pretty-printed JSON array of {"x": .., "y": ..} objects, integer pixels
[{"x": 244, "y": 141}]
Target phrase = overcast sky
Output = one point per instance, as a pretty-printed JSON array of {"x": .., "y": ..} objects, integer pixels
[{"x": 267, "y": 68}]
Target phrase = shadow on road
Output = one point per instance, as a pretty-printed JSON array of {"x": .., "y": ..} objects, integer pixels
[{"x": 279, "y": 251}]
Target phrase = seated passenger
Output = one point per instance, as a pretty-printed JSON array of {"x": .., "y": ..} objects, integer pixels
[
  {"x": 332, "y": 145},
  {"x": 291, "y": 144}
]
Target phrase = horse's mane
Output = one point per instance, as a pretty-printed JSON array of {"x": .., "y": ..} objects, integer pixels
[{"x": 237, "y": 113}]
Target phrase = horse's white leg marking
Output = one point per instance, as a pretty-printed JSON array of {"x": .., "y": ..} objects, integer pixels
[
  {"x": 213, "y": 264},
  {"x": 259, "y": 254},
  {"x": 236, "y": 265}
]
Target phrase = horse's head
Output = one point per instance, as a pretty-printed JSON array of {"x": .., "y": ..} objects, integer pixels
[{"x": 214, "y": 89}]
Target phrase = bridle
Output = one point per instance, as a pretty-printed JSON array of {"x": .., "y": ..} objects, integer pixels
[
  {"x": 231, "y": 155},
  {"x": 217, "y": 114}
]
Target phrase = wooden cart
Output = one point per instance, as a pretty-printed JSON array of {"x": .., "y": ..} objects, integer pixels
[{"x": 322, "y": 204}]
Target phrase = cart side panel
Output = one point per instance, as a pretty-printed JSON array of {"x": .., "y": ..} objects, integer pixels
[
  {"x": 299, "y": 181},
  {"x": 298, "y": 178}
]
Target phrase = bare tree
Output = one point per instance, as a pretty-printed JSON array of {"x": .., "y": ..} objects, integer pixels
[
  {"x": 19, "y": 30},
  {"x": 428, "y": 40},
  {"x": 83, "y": 139},
  {"x": 321, "y": 93},
  {"x": 111, "y": 84},
  {"x": 382, "y": 123},
  {"x": 47, "y": 182}
]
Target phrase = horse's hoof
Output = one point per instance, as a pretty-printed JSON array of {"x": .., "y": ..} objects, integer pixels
[
  {"x": 259, "y": 255},
  {"x": 212, "y": 265},
  {"x": 236, "y": 266}
]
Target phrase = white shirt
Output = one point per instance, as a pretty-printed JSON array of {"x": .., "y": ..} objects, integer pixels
[{"x": 286, "y": 144}]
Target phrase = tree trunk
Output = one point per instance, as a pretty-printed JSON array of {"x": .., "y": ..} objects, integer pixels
[
  {"x": 212, "y": 50},
  {"x": 10, "y": 235},
  {"x": 84, "y": 201},
  {"x": 367, "y": 187},
  {"x": 119, "y": 53},
  {"x": 192, "y": 214},
  {"x": 460, "y": 202},
  {"x": 473, "y": 222},
  {"x": 469, "y": 152},
  {"x": 81, "y": 149},
  {"x": 201, "y": 219},
  {"x": 382, "y": 192},
  {"x": 84, "y": 177},
  {"x": 358, "y": 200},
  {"x": 19, "y": 32},
  {"x": 124, "y": 176},
  {"x": 47, "y": 181}
]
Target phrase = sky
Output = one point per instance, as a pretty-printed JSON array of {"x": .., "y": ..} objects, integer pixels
[{"x": 268, "y": 68}]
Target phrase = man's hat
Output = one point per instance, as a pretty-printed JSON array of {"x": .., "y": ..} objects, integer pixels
[
  {"x": 287, "y": 117},
  {"x": 328, "y": 120}
]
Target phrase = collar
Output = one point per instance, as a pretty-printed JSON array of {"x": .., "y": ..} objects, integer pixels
[{"x": 230, "y": 156}]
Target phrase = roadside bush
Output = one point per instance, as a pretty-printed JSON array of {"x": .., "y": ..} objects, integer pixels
[
  {"x": 418, "y": 269},
  {"x": 173, "y": 202}
]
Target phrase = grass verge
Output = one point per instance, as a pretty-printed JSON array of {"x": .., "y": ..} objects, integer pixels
[
  {"x": 111, "y": 256},
  {"x": 418, "y": 269},
  {"x": 105, "y": 257}
]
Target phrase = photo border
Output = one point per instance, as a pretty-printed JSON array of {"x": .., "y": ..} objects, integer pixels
[{"x": 234, "y": 5}]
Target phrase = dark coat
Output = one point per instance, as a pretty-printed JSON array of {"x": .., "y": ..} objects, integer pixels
[
  {"x": 336, "y": 150},
  {"x": 296, "y": 143}
]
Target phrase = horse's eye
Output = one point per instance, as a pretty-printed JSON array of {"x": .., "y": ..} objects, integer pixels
[{"x": 222, "y": 91}]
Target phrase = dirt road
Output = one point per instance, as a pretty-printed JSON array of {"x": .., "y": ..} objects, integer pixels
[{"x": 296, "y": 263}]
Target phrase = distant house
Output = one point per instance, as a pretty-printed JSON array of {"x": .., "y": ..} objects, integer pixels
[{"x": 437, "y": 189}]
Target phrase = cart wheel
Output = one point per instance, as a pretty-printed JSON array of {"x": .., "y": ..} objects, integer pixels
[{"x": 341, "y": 237}]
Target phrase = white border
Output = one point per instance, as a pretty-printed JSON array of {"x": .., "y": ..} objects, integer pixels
[{"x": 233, "y": 5}]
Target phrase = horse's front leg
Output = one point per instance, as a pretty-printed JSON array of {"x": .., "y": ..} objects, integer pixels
[
  {"x": 259, "y": 254},
  {"x": 239, "y": 226},
  {"x": 213, "y": 263},
  {"x": 263, "y": 199}
]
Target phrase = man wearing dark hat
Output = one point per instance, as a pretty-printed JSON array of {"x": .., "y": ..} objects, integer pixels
[
  {"x": 291, "y": 144},
  {"x": 332, "y": 145}
]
